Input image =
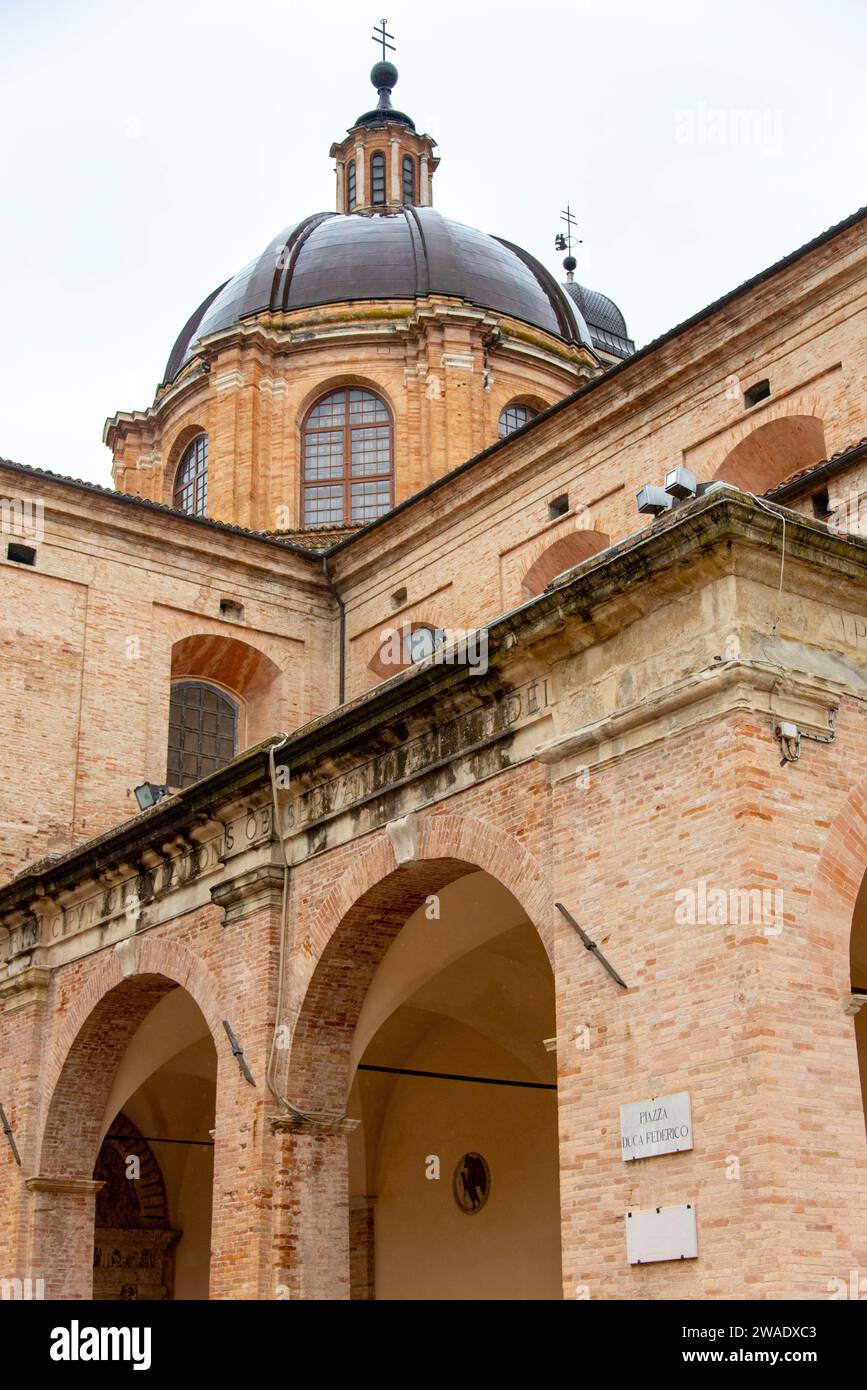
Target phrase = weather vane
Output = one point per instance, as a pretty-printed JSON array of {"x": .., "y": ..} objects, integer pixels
[
  {"x": 566, "y": 243},
  {"x": 381, "y": 36}
]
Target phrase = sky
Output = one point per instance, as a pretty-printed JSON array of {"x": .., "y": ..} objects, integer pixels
[{"x": 150, "y": 150}]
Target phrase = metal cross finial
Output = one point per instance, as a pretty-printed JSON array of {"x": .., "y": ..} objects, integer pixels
[
  {"x": 571, "y": 222},
  {"x": 381, "y": 35}
]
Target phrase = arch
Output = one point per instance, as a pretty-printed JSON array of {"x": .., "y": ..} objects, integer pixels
[
  {"x": 146, "y": 1203},
  {"x": 347, "y": 454},
  {"x": 239, "y": 668},
  {"x": 561, "y": 555},
  {"x": 179, "y": 444},
  {"x": 515, "y": 414},
  {"x": 378, "y": 178},
  {"x": 133, "y": 1240},
  {"x": 226, "y": 661},
  {"x": 336, "y": 961},
  {"x": 393, "y": 653},
  {"x": 190, "y": 486},
  {"x": 408, "y": 178},
  {"x": 341, "y": 381},
  {"x": 363, "y": 913},
  {"x": 837, "y": 913},
  {"x": 774, "y": 451},
  {"x": 107, "y": 1009}
]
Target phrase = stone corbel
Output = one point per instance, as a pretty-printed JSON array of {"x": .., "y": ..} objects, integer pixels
[
  {"x": 249, "y": 892},
  {"x": 855, "y": 1002},
  {"x": 206, "y": 828}
]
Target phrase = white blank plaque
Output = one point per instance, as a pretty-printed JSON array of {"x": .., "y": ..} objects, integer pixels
[{"x": 661, "y": 1233}]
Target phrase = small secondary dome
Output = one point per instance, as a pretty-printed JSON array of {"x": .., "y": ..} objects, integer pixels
[
  {"x": 335, "y": 258},
  {"x": 603, "y": 318}
]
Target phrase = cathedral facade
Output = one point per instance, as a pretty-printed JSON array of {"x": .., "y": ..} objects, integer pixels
[{"x": 435, "y": 806}]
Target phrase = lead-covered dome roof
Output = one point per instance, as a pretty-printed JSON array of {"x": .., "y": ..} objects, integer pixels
[
  {"x": 334, "y": 258},
  {"x": 603, "y": 318}
]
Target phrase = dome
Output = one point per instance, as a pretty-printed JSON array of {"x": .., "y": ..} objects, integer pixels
[
  {"x": 335, "y": 258},
  {"x": 603, "y": 318}
]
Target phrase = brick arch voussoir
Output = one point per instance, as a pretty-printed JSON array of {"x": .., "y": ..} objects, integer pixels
[
  {"x": 838, "y": 878},
  {"x": 485, "y": 846},
  {"x": 125, "y": 984},
  {"x": 475, "y": 843},
  {"x": 364, "y": 911}
]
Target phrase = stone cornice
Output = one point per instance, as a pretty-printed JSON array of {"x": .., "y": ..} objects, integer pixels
[
  {"x": 764, "y": 690},
  {"x": 191, "y": 380},
  {"x": 621, "y": 582}
]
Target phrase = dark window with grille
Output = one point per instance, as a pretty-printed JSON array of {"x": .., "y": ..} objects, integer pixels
[
  {"x": 350, "y": 185},
  {"x": 348, "y": 442},
  {"x": 377, "y": 178},
  {"x": 191, "y": 480},
  {"x": 408, "y": 179},
  {"x": 203, "y": 732},
  {"x": 422, "y": 642},
  {"x": 514, "y": 416}
]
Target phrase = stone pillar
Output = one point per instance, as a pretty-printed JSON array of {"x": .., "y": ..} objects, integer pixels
[
  {"x": 311, "y": 1207},
  {"x": 396, "y": 174},
  {"x": 62, "y": 1235},
  {"x": 360, "y": 189},
  {"x": 362, "y": 1248},
  {"x": 24, "y": 1023},
  {"x": 424, "y": 196},
  {"x": 241, "y": 1228},
  {"x": 339, "y": 172}
]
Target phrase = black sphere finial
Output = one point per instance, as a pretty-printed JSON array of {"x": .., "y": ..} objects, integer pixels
[
  {"x": 570, "y": 263},
  {"x": 383, "y": 75}
]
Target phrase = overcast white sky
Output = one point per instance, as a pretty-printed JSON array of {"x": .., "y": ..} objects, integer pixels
[{"x": 150, "y": 150}]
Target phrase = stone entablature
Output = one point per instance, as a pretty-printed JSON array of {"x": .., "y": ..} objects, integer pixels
[{"x": 583, "y": 677}]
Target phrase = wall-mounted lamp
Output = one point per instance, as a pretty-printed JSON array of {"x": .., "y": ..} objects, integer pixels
[
  {"x": 148, "y": 794},
  {"x": 653, "y": 500}
]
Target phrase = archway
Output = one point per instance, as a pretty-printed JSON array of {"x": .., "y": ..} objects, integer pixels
[
  {"x": 773, "y": 452},
  {"x": 858, "y": 959},
  {"x": 562, "y": 555},
  {"x": 141, "y": 1067},
  {"x": 429, "y": 1009},
  {"x": 453, "y": 1077},
  {"x": 838, "y": 916}
]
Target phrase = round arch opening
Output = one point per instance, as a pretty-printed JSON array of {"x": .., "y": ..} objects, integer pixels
[{"x": 431, "y": 1007}]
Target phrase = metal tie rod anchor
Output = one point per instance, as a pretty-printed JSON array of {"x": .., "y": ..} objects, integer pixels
[
  {"x": 7, "y": 1130},
  {"x": 238, "y": 1051},
  {"x": 591, "y": 946}
]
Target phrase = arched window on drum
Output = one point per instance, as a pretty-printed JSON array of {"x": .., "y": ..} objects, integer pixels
[
  {"x": 191, "y": 480},
  {"x": 348, "y": 459}
]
